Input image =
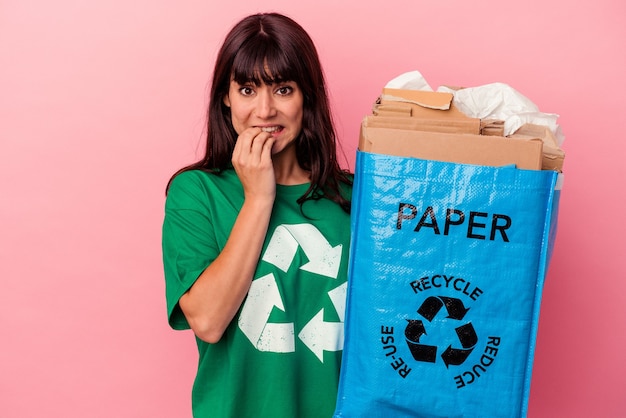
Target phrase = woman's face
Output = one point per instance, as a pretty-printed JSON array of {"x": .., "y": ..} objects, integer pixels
[{"x": 276, "y": 108}]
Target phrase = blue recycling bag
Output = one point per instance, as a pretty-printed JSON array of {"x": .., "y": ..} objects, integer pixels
[{"x": 447, "y": 264}]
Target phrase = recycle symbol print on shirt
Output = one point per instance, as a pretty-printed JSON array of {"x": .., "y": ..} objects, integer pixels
[{"x": 264, "y": 294}]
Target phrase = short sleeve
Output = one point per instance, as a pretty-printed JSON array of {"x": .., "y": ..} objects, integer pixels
[{"x": 188, "y": 240}]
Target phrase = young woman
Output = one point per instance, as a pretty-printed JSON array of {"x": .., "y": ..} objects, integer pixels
[{"x": 256, "y": 234}]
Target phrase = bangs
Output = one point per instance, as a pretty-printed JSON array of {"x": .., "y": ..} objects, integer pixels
[{"x": 260, "y": 61}]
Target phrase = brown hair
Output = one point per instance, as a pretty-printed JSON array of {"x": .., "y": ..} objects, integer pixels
[{"x": 269, "y": 48}]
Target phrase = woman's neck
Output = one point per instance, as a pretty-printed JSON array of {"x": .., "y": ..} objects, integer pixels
[{"x": 287, "y": 171}]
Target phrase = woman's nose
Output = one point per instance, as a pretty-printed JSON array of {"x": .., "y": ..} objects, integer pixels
[{"x": 265, "y": 105}]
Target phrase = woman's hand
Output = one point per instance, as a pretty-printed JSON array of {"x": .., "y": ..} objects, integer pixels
[{"x": 252, "y": 160}]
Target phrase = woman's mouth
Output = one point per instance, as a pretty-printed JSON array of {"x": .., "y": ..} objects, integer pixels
[{"x": 271, "y": 129}]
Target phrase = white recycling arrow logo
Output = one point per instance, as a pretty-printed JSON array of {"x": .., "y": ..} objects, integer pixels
[
  {"x": 262, "y": 297},
  {"x": 323, "y": 258},
  {"x": 264, "y": 294},
  {"x": 322, "y": 336}
]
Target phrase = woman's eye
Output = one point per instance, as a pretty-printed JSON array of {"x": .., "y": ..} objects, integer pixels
[
  {"x": 246, "y": 91},
  {"x": 284, "y": 90}
]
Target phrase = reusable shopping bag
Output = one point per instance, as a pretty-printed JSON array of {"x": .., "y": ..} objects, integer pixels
[{"x": 447, "y": 265}]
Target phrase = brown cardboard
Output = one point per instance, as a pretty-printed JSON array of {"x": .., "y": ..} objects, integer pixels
[
  {"x": 492, "y": 127},
  {"x": 553, "y": 155},
  {"x": 428, "y": 113},
  {"x": 392, "y": 109},
  {"x": 417, "y": 110},
  {"x": 428, "y": 99},
  {"x": 455, "y": 125},
  {"x": 420, "y": 104},
  {"x": 457, "y": 148}
]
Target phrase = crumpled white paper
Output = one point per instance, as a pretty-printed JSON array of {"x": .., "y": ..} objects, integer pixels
[
  {"x": 413, "y": 80},
  {"x": 491, "y": 101}
]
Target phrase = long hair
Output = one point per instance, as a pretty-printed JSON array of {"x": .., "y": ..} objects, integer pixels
[{"x": 269, "y": 48}]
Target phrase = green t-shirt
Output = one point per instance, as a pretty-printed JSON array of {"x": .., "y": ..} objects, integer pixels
[{"x": 281, "y": 354}]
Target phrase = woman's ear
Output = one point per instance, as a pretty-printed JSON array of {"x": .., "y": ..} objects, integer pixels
[{"x": 226, "y": 100}]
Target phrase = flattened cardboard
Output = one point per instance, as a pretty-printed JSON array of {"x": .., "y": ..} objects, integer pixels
[
  {"x": 464, "y": 149},
  {"x": 424, "y": 105},
  {"x": 457, "y": 126},
  {"x": 428, "y": 99},
  {"x": 392, "y": 109},
  {"x": 492, "y": 127},
  {"x": 553, "y": 155},
  {"x": 403, "y": 109}
]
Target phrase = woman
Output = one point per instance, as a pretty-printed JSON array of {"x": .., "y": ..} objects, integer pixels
[{"x": 256, "y": 234}]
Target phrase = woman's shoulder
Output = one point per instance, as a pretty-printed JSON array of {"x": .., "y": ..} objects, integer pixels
[
  {"x": 191, "y": 184},
  {"x": 198, "y": 177}
]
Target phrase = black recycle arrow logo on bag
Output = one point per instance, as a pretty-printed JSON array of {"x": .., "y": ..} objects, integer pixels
[{"x": 429, "y": 310}]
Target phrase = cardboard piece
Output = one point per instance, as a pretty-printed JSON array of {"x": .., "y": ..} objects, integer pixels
[
  {"x": 553, "y": 155},
  {"x": 457, "y": 126},
  {"x": 425, "y": 105},
  {"x": 492, "y": 127},
  {"x": 428, "y": 99},
  {"x": 465, "y": 148}
]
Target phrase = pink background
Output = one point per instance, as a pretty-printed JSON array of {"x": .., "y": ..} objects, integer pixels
[{"x": 101, "y": 101}]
